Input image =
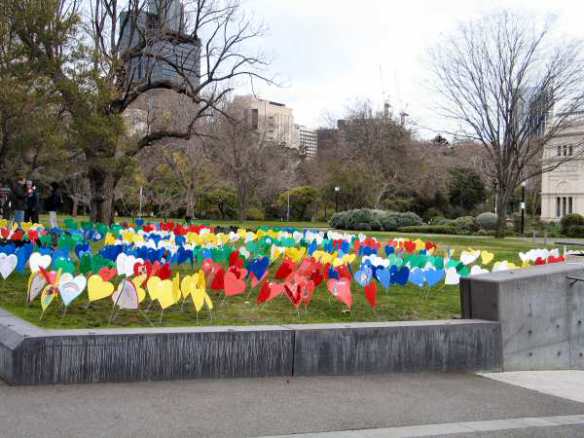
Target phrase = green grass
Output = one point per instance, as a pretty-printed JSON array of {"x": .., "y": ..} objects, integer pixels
[{"x": 397, "y": 303}]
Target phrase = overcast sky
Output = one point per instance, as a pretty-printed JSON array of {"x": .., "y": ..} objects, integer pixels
[{"x": 328, "y": 53}]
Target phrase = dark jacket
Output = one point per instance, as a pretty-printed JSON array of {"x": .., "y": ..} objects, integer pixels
[
  {"x": 33, "y": 202},
  {"x": 18, "y": 196},
  {"x": 54, "y": 202}
]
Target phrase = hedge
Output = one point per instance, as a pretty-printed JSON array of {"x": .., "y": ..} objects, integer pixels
[
  {"x": 575, "y": 231},
  {"x": 431, "y": 229},
  {"x": 373, "y": 220},
  {"x": 487, "y": 221},
  {"x": 569, "y": 221}
]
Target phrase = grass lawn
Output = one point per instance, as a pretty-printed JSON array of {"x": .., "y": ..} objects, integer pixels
[{"x": 397, "y": 303}]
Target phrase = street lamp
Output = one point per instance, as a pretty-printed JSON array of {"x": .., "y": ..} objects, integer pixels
[
  {"x": 523, "y": 184},
  {"x": 337, "y": 190}
]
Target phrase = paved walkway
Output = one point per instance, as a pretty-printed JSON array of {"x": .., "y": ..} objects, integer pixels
[{"x": 268, "y": 407}]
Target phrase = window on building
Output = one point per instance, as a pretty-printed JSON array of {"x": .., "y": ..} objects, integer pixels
[
  {"x": 565, "y": 150},
  {"x": 570, "y": 205},
  {"x": 564, "y": 206},
  {"x": 559, "y": 151},
  {"x": 558, "y": 207},
  {"x": 571, "y": 150}
]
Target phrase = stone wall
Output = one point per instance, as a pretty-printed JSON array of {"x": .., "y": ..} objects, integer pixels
[
  {"x": 29, "y": 355},
  {"x": 541, "y": 312}
]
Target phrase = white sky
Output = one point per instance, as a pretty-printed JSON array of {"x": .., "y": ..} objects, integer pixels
[{"x": 328, "y": 53}]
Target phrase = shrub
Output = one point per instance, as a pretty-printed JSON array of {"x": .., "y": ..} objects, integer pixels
[
  {"x": 255, "y": 214},
  {"x": 571, "y": 220},
  {"x": 430, "y": 229},
  {"x": 431, "y": 213},
  {"x": 440, "y": 220},
  {"x": 465, "y": 225},
  {"x": 575, "y": 231},
  {"x": 487, "y": 221},
  {"x": 374, "y": 219},
  {"x": 409, "y": 219},
  {"x": 362, "y": 227}
]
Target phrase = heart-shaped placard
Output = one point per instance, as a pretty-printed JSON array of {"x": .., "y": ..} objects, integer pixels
[
  {"x": 125, "y": 264},
  {"x": 98, "y": 289},
  {"x": 71, "y": 287},
  {"x": 417, "y": 277},
  {"x": 371, "y": 294},
  {"x": 36, "y": 284},
  {"x": 126, "y": 295},
  {"x": 434, "y": 276},
  {"x": 341, "y": 290},
  {"x": 487, "y": 257},
  {"x": 107, "y": 274},
  {"x": 232, "y": 285},
  {"x": 363, "y": 276},
  {"x": 452, "y": 277},
  {"x": 269, "y": 291},
  {"x": 7, "y": 264},
  {"x": 383, "y": 276},
  {"x": 37, "y": 261}
]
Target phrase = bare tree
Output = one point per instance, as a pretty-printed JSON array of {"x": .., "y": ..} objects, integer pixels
[
  {"x": 245, "y": 156},
  {"x": 514, "y": 89},
  {"x": 101, "y": 65}
]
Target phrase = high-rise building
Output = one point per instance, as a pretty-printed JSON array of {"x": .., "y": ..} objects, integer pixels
[
  {"x": 307, "y": 140},
  {"x": 274, "y": 120},
  {"x": 166, "y": 53}
]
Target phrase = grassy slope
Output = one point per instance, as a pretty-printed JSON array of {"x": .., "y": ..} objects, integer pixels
[{"x": 398, "y": 303}]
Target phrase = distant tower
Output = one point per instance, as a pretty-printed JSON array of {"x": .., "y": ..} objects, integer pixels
[
  {"x": 170, "y": 14},
  {"x": 145, "y": 30}
]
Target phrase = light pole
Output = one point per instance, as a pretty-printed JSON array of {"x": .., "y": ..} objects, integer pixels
[
  {"x": 523, "y": 184},
  {"x": 337, "y": 190},
  {"x": 288, "y": 211}
]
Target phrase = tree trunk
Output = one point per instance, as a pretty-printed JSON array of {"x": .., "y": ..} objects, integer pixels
[
  {"x": 75, "y": 207},
  {"x": 502, "y": 204},
  {"x": 242, "y": 204},
  {"x": 102, "y": 185},
  {"x": 190, "y": 210}
]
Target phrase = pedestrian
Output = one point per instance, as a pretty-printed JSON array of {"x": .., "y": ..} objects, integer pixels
[
  {"x": 32, "y": 203},
  {"x": 19, "y": 199},
  {"x": 53, "y": 204}
]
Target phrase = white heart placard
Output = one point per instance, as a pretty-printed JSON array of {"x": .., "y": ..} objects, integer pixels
[
  {"x": 125, "y": 264},
  {"x": 126, "y": 296},
  {"x": 7, "y": 264},
  {"x": 452, "y": 277},
  {"x": 36, "y": 284},
  {"x": 37, "y": 261},
  {"x": 71, "y": 287},
  {"x": 477, "y": 270}
]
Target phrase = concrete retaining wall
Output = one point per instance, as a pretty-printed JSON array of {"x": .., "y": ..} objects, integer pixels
[
  {"x": 29, "y": 355},
  {"x": 541, "y": 311}
]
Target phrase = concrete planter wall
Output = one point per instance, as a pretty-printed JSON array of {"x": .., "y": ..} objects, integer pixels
[
  {"x": 541, "y": 312},
  {"x": 30, "y": 355}
]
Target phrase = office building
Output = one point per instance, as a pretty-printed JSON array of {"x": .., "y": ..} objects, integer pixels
[
  {"x": 307, "y": 140},
  {"x": 166, "y": 53},
  {"x": 274, "y": 120}
]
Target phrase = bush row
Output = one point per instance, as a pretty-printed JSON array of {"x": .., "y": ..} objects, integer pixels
[{"x": 373, "y": 220}]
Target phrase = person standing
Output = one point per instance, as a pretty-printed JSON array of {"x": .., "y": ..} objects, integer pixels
[
  {"x": 32, "y": 203},
  {"x": 54, "y": 203},
  {"x": 19, "y": 197}
]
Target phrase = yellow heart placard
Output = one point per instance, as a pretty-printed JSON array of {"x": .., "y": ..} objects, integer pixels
[
  {"x": 98, "y": 289},
  {"x": 487, "y": 257},
  {"x": 138, "y": 281},
  {"x": 163, "y": 291}
]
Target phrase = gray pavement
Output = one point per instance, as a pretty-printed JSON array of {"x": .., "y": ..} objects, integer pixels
[{"x": 264, "y": 407}]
